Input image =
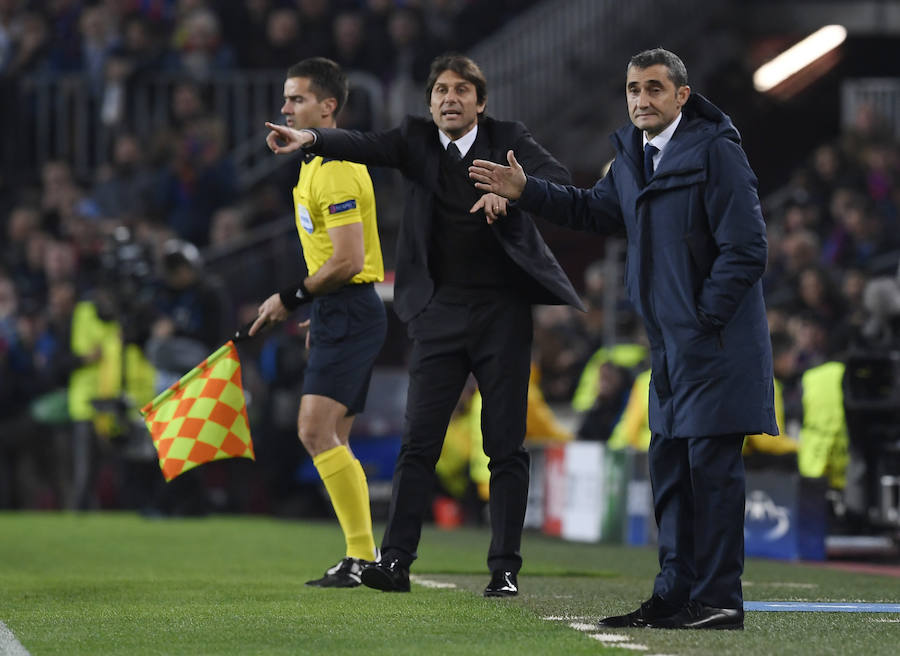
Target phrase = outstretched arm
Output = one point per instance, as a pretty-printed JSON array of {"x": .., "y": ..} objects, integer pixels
[
  {"x": 594, "y": 210},
  {"x": 370, "y": 148},
  {"x": 282, "y": 139},
  {"x": 507, "y": 181}
]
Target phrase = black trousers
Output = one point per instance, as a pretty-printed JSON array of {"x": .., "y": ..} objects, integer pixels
[
  {"x": 488, "y": 335},
  {"x": 698, "y": 496}
]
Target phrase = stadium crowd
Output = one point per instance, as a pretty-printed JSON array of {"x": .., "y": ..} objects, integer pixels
[{"x": 88, "y": 265}]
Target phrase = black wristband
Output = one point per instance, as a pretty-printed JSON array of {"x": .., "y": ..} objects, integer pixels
[{"x": 294, "y": 296}]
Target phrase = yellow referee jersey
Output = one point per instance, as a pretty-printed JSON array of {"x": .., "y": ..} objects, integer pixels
[{"x": 332, "y": 193}]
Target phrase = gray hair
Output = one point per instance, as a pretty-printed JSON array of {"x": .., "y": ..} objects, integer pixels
[{"x": 672, "y": 62}]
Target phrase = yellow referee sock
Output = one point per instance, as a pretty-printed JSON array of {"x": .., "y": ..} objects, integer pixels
[
  {"x": 364, "y": 493},
  {"x": 341, "y": 472}
]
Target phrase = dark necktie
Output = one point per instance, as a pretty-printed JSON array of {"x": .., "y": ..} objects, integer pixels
[
  {"x": 649, "y": 151},
  {"x": 453, "y": 151}
]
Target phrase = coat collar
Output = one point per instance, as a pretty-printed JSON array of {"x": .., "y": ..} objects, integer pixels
[{"x": 686, "y": 153}]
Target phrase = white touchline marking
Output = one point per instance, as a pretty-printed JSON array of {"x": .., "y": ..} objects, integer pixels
[
  {"x": 606, "y": 639},
  {"x": 894, "y": 621},
  {"x": 619, "y": 645},
  {"x": 426, "y": 583},
  {"x": 9, "y": 646},
  {"x": 610, "y": 637}
]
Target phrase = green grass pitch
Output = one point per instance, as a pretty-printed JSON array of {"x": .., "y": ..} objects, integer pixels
[{"x": 120, "y": 584}]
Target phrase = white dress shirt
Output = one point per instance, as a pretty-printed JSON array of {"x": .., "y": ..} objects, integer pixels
[
  {"x": 463, "y": 143},
  {"x": 662, "y": 140}
]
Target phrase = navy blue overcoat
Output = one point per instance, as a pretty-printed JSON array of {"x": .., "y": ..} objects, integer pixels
[{"x": 696, "y": 251}]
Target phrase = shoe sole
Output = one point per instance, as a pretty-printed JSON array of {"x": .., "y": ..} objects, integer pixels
[
  {"x": 346, "y": 584},
  {"x": 717, "y": 627},
  {"x": 501, "y": 594},
  {"x": 373, "y": 578}
]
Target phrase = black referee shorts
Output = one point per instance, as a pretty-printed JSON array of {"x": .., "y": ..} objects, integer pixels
[{"x": 347, "y": 330}]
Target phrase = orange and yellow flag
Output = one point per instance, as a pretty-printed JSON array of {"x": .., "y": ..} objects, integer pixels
[{"x": 202, "y": 417}]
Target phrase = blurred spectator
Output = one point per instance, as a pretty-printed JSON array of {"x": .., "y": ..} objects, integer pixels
[
  {"x": 879, "y": 163},
  {"x": 60, "y": 264},
  {"x": 98, "y": 41},
  {"x": 352, "y": 47},
  {"x": 856, "y": 239},
  {"x": 29, "y": 51},
  {"x": 594, "y": 319},
  {"x": 315, "y": 25},
  {"x": 559, "y": 350},
  {"x": 613, "y": 389},
  {"x": 199, "y": 180},
  {"x": 191, "y": 304},
  {"x": 186, "y": 107},
  {"x": 56, "y": 180},
  {"x": 818, "y": 296},
  {"x": 31, "y": 285},
  {"x": 810, "y": 339},
  {"x": 633, "y": 428},
  {"x": 198, "y": 49},
  {"x": 108, "y": 368},
  {"x": 440, "y": 17},
  {"x": 18, "y": 382},
  {"x": 53, "y": 356},
  {"x": 793, "y": 253},
  {"x": 23, "y": 221},
  {"x": 130, "y": 63},
  {"x": 853, "y": 284},
  {"x": 765, "y": 451},
  {"x": 377, "y": 15},
  {"x": 282, "y": 45},
  {"x": 63, "y": 17},
  {"x": 125, "y": 188},
  {"x": 462, "y": 468},
  {"x": 227, "y": 226},
  {"x": 881, "y": 300},
  {"x": 413, "y": 49},
  {"x": 10, "y": 29},
  {"x": 801, "y": 215},
  {"x": 244, "y": 26},
  {"x": 829, "y": 171}
]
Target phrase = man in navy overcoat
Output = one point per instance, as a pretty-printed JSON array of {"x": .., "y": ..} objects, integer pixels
[{"x": 683, "y": 193}]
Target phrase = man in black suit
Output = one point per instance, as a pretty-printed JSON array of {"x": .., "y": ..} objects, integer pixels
[{"x": 465, "y": 288}]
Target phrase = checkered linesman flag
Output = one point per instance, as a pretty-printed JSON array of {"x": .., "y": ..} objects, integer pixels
[{"x": 202, "y": 417}]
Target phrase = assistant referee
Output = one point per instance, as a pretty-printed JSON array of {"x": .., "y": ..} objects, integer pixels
[{"x": 334, "y": 207}]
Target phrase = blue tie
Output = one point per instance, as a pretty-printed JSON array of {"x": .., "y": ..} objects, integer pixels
[{"x": 649, "y": 151}]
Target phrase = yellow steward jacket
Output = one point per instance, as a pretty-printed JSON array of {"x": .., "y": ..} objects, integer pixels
[{"x": 823, "y": 449}]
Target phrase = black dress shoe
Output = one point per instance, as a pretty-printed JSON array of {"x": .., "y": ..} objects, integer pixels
[
  {"x": 655, "y": 608},
  {"x": 503, "y": 584},
  {"x": 695, "y": 615},
  {"x": 386, "y": 575}
]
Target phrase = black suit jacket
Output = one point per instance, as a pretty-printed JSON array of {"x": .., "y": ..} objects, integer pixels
[{"x": 414, "y": 148}]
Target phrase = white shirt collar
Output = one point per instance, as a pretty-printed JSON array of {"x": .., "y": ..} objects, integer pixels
[
  {"x": 463, "y": 143},
  {"x": 662, "y": 139}
]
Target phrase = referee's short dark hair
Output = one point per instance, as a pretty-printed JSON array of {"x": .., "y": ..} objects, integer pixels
[
  {"x": 326, "y": 79},
  {"x": 672, "y": 62}
]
